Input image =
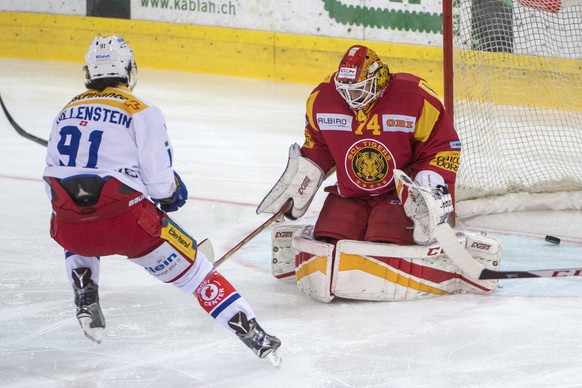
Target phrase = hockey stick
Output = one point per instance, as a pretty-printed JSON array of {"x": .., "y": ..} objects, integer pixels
[
  {"x": 457, "y": 253},
  {"x": 19, "y": 129},
  {"x": 286, "y": 207}
]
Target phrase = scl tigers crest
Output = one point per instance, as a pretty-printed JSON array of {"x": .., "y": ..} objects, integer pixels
[{"x": 368, "y": 163}]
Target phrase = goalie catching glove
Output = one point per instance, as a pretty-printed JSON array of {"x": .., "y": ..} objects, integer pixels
[
  {"x": 427, "y": 205},
  {"x": 300, "y": 181}
]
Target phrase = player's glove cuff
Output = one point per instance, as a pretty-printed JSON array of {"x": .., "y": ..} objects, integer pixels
[{"x": 177, "y": 200}]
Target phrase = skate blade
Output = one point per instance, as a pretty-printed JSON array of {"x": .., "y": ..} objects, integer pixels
[
  {"x": 275, "y": 359},
  {"x": 95, "y": 334}
]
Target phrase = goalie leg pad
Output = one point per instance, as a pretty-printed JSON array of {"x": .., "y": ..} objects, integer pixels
[
  {"x": 313, "y": 265},
  {"x": 300, "y": 181},
  {"x": 282, "y": 252},
  {"x": 487, "y": 251},
  {"x": 388, "y": 272}
]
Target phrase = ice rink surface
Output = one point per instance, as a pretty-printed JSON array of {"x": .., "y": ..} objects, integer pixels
[{"x": 231, "y": 138}]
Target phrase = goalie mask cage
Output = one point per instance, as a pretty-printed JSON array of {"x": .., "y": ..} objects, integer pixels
[{"x": 513, "y": 84}]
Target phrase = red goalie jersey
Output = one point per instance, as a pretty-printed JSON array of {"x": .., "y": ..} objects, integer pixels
[{"x": 407, "y": 128}]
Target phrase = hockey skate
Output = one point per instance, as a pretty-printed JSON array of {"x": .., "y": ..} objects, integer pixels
[
  {"x": 87, "y": 301},
  {"x": 253, "y": 336}
]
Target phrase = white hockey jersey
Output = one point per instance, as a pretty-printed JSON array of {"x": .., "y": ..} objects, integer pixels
[{"x": 113, "y": 133}]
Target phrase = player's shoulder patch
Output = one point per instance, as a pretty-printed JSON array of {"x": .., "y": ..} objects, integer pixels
[
  {"x": 447, "y": 160},
  {"x": 425, "y": 86}
]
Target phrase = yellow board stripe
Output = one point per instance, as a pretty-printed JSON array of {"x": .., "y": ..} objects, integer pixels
[
  {"x": 350, "y": 262},
  {"x": 503, "y": 78},
  {"x": 203, "y": 49}
]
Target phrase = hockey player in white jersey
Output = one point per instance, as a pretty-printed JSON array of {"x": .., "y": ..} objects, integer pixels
[{"x": 108, "y": 164}]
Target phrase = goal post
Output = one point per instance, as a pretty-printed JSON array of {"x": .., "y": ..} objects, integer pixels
[{"x": 513, "y": 84}]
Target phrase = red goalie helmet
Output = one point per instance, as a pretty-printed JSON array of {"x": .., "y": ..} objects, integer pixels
[{"x": 361, "y": 77}]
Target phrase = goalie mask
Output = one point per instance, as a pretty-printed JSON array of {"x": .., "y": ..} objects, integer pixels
[
  {"x": 111, "y": 57},
  {"x": 361, "y": 77}
]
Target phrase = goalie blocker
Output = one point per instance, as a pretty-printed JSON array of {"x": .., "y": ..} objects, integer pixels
[
  {"x": 299, "y": 182},
  {"x": 376, "y": 271}
]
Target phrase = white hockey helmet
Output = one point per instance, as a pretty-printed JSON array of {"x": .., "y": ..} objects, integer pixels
[{"x": 111, "y": 57}]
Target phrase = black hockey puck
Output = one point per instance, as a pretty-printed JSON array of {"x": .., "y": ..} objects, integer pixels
[{"x": 553, "y": 240}]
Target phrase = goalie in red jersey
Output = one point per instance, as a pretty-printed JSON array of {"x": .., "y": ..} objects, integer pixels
[{"x": 369, "y": 126}]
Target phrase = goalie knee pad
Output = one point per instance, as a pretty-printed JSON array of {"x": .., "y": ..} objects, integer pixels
[{"x": 313, "y": 265}]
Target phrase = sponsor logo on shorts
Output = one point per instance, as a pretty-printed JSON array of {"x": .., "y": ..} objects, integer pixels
[
  {"x": 179, "y": 239},
  {"x": 136, "y": 200}
]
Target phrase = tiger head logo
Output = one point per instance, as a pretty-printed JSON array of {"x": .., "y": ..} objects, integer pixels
[
  {"x": 368, "y": 163},
  {"x": 369, "y": 166}
]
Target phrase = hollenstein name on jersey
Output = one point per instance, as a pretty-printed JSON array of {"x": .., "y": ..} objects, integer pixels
[{"x": 95, "y": 113}]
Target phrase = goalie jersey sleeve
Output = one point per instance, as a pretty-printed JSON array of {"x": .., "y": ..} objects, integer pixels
[
  {"x": 113, "y": 133},
  {"x": 408, "y": 129}
]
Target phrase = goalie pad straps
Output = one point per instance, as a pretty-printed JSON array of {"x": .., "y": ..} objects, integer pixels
[
  {"x": 426, "y": 207},
  {"x": 300, "y": 181}
]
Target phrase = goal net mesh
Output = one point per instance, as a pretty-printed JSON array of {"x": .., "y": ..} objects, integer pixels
[{"x": 517, "y": 71}]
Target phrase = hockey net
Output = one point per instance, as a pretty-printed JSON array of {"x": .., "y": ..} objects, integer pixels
[{"x": 513, "y": 80}]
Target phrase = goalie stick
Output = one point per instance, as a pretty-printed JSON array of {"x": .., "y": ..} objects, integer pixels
[
  {"x": 285, "y": 208},
  {"x": 448, "y": 241},
  {"x": 19, "y": 129}
]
